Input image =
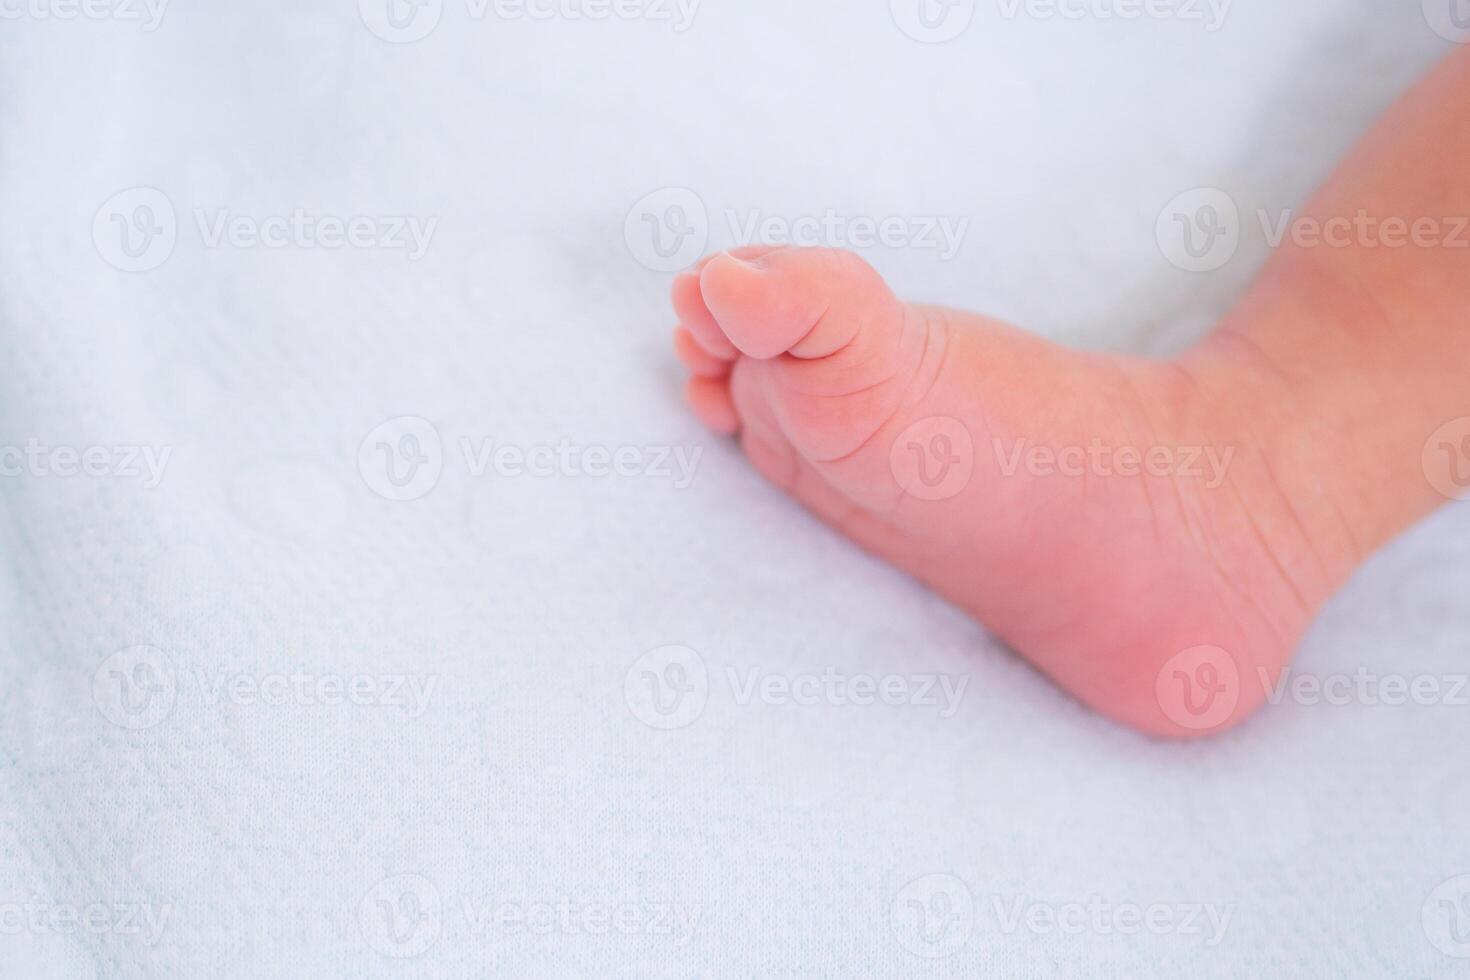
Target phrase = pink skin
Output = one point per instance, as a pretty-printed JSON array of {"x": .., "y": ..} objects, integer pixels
[{"x": 1140, "y": 592}]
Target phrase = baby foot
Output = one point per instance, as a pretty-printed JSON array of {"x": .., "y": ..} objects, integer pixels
[{"x": 1126, "y": 525}]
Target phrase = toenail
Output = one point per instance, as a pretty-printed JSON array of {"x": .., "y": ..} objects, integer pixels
[{"x": 745, "y": 263}]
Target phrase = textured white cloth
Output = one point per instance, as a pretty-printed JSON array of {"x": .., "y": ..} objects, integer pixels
[{"x": 260, "y": 720}]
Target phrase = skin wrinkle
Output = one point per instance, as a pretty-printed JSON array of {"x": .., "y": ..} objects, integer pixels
[
  {"x": 816, "y": 325},
  {"x": 1266, "y": 548},
  {"x": 793, "y": 363},
  {"x": 942, "y": 333},
  {"x": 1288, "y": 391},
  {"x": 1261, "y": 537},
  {"x": 1196, "y": 393},
  {"x": 900, "y": 497},
  {"x": 883, "y": 422},
  {"x": 1322, "y": 384},
  {"x": 1385, "y": 327},
  {"x": 1305, "y": 535},
  {"x": 1129, "y": 384}
]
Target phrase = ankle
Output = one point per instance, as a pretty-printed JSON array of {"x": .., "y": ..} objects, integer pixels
[{"x": 1296, "y": 469}]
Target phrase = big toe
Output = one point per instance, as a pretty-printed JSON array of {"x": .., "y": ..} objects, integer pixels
[{"x": 808, "y": 302}]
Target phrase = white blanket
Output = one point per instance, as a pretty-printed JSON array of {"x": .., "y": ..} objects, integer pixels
[{"x": 266, "y": 267}]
